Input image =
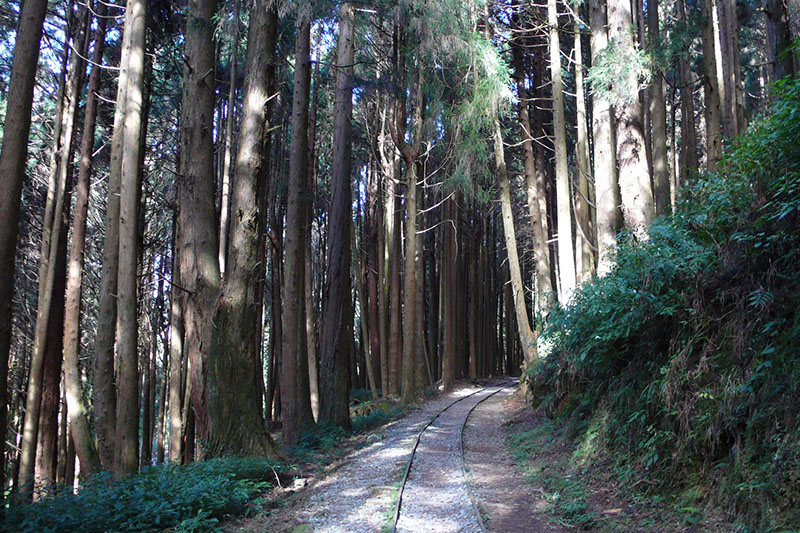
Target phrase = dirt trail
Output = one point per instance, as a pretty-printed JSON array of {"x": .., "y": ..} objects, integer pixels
[{"x": 506, "y": 501}]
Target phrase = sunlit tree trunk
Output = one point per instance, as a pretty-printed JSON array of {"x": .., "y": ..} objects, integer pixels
[
  {"x": 540, "y": 250},
  {"x": 713, "y": 99},
  {"x": 78, "y": 413},
  {"x": 636, "y": 191},
  {"x": 605, "y": 167},
  {"x": 126, "y": 450},
  {"x": 583, "y": 172},
  {"x": 566, "y": 256},
  {"x": 176, "y": 385},
  {"x": 224, "y": 213}
]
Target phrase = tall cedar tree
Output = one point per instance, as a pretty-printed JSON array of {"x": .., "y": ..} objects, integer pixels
[
  {"x": 236, "y": 423},
  {"x": 336, "y": 336},
  {"x": 197, "y": 229}
]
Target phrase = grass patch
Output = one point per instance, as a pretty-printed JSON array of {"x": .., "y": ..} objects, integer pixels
[{"x": 192, "y": 497}]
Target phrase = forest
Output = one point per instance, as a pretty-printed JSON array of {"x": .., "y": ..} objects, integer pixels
[{"x": 235, "y": 234}]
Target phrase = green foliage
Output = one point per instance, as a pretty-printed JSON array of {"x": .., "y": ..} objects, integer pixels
[
  {"x": 620, "y": 73},
  {"x": 689, "y": 345},
  {"x": 188, "y": 498},
  {"x": 316, "y": 445}
]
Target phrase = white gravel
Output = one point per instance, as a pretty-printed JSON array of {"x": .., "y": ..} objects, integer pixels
[{"x": 360, "y": 495}]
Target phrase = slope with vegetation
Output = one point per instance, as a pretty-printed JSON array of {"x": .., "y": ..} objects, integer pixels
[{"x": 681, "y": 363}]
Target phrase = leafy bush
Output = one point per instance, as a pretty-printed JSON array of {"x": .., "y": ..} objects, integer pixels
[
  {"x": 187, "y": 498},
  {"x": 689, "y": 344}
]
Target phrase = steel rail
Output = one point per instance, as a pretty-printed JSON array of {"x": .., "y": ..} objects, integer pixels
[{"x": 403, "y": 483}]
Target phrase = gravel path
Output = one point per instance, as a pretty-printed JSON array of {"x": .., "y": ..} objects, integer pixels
[
  {"x": 436, "y": 496},
  {"x": 360, "y": 496}
]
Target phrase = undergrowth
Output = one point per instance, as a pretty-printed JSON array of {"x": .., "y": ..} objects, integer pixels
[
  {"x": 317, "y": 443},
  {"x": 689, "y": 345},
  {"x": 184, "y": 498}
]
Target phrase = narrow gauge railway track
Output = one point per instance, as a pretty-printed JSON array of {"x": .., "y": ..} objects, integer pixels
[{"x": 434, "y": 485}]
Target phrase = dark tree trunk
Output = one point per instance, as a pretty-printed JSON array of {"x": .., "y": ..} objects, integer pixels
[
  {"x": 335, "y": 395},
  {"x": 198, "y": 232},
  {"x": 236, "y": 423},
  {"x": 13, "y": 158}
]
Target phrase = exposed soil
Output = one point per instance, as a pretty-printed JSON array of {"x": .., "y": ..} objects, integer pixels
[{"x": 506, "y": 501}]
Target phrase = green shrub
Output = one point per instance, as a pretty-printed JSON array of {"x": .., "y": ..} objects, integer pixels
[
  {"x": 689, "y": 343},
  {"x": 188, "y": 498}
]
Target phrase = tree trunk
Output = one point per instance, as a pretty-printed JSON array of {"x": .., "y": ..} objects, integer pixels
[
  {"x": 293, "y": 403},
  {"x": 366, "y": 321},
  {"x": 583, "y": 171},
  {"x": 688, "y": 129},
  {"x": 224, "y": 213},
  {"x": 13, "y": 159},
  {"x": 199, "y": 261},
  {"x": 527, "y": 336},
  {"x": 448, "y": 290},
  {"x": 779, "y": 40},
  {"x": 46, "y": 449},
  {"x": 50, "y": 251},
  {"x": 78, "y": 415},
  {"x": 658, "y": 116},
  {"x": 566, "y": 257},
  {"x": 713, "y": 99},
  {"x": 126, "y": 451},
  {"x": 236, "y": 423},
  {"x": 635, "y": 186},
  {"x": 605, "y": 167},
  {"x": 336, "y": 338},
  {"x": 176, "y": 355},
  {"x": 541, "y": 253},
  {"x": 104, "y": 392},
  {"x": 308, "y": 262}
]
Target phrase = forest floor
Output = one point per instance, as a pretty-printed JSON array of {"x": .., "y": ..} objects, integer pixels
[{"x": 521, "y": 469}]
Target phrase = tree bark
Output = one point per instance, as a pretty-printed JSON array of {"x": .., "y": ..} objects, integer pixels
[
  {"x": 336, "y": 338},
  {"x": 294, "y": 398},
  {"x": 566, "y": 257},
  {"x": 713, "y": 99},
  {"x": 236, "y": 423},
  {"x": 13, "y": 158},
  {"x": 605, "y": 167},
  {"x": 104, "y": 392},
  {"x": 224, "y": 213},
  {"x": 78, "y": 414},
  {"x": 199, "y": 261},
  {"x": 50, "y": 251},
  {"x": 541, "y": 253},
  {"x": 635, "y": 186},
  {"x": 46, "y": 449},
  {"x": 584, "y": 259},
  {"x": 126, "y": 450},
  {"x": 176, "y": 355},
  {"x": 658, "y": 116},
  {"x": 688, "y": 157}
]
